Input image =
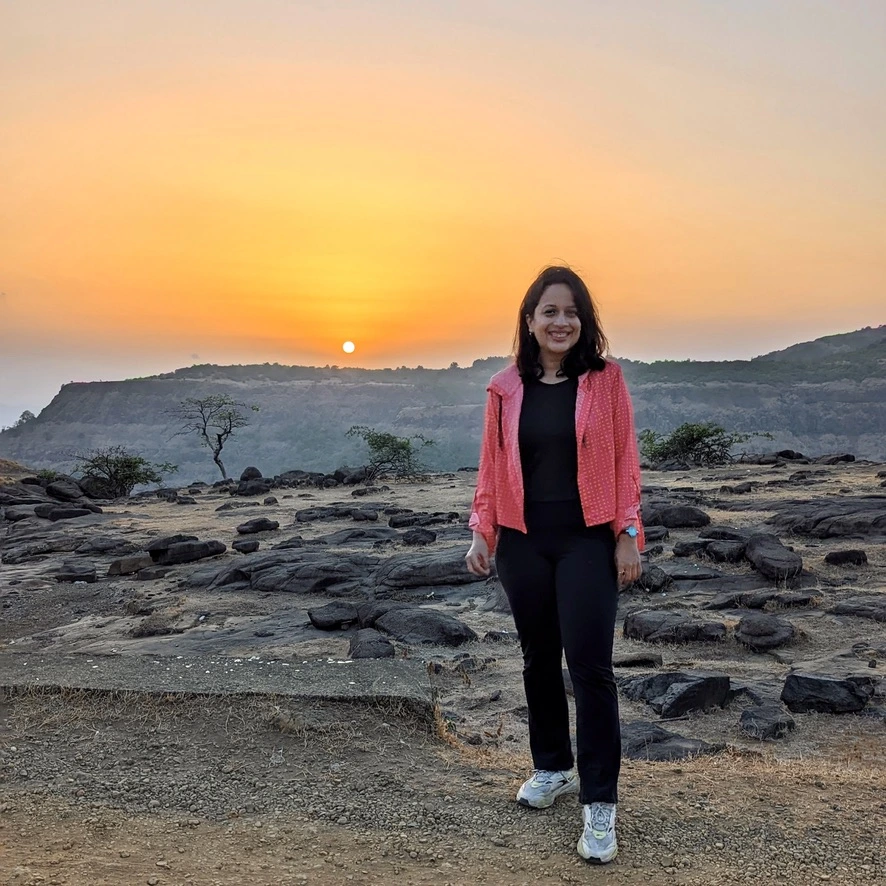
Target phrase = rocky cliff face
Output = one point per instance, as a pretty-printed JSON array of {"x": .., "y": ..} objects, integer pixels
[{"x": 823, "y": 400}]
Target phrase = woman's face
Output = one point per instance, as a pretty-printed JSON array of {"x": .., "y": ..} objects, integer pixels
[{"x": 555, "y": 323}]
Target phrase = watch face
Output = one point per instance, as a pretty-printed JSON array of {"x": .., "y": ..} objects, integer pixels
[{"x": 631, "y": 531}]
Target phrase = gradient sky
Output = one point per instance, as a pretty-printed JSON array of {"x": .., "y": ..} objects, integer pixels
[{"x": 228, "y": 181}]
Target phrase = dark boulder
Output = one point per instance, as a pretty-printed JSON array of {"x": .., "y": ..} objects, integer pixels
[
  {"x": 826, "y": 694},
  {"x": 771, "y": 558},
  {"x": 726, "y": 551},
  {"x": 862, "y": 607},
  {"x": 419, "y": 537},
  {"x": 656, "y": 626},
  {"x": 762, "y": 632},
  {"x": 674, "y": 693},
  {"x": 186, "y": 552},
  {"x": 846, "y": 558},
  {"x": 130, "y": 565},
  {"x": 426, "y": 569},
  {"x": 424, "y": 626},
  {"x": 259, "y": 524},
  {"x": 682, "y": 517},
  {"x": 649, "y": 741},
  {"x": 253, "y": 487},
  {"x": 65, "y": 490},
  {"x": 766, "y": 722},
  {"x": 245, "y": 546},
  {"x": 333, "y": 617},
  {"x": 57, "y": 514},
  {"x": 694, "y": 548},
  {"x": 74, "y": 570},
  {"x": 250, "y": 473},
  {"x": 369, "y": 643}
]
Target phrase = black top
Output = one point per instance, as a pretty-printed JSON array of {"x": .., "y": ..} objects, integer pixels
[{"x": 548, "y": 452}]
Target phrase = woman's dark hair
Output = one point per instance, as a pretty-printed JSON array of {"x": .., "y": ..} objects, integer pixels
[{"x": 587, "y": 353}]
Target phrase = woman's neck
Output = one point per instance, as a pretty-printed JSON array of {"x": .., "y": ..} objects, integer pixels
[{"x": 550, "y": 370}]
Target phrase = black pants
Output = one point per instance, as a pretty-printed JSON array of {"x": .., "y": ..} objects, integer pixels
[{"x": 560, "y": 580}]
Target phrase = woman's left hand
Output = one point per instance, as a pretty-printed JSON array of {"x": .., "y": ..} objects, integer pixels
[{"x": 627, "y": 560}]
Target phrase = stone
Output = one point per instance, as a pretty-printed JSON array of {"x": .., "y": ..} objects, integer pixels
[
  {"x": 185, "y": 500},
  {"x": 161, "y": 544},
  {"x": 726, "y": 551},
  {"x": 682, "y": 517},
  {"x": 250, "y": 473},
  {"x": 270, "y": 501},
  {"x": 656, "y": 626},
  {"x": 656, "y": 533},
  {"x": 771, "y": 558},
  {"x": 424, "y": 626},
  {"x": 835, "y": 517},
  {"x": 846, "y": 558},
  {"x": 334, "y": 616},
  {"x": 826, "y": 694},
  {"x": 64, "y": 490},
  {"x": 252, "y": 487},
  {"x": 20, "y": 512},
  {"x": 723, "y": 533},
  {"x": 862, "y": 607},
  {"x": 369, "y": 643},
  {"x": 427, "y": 569},
  {"x": 245, "y": 546},
  {"x": 259, "y": 524},
  {"x": 57, "y": 514},
  {"x": 419, "y": 537},
  {"x": 762, "y": 632},
  {"x": 187, "y": 552},
  {"x": 689, "y": 571},
  {"x": 152, "y": 573},
  {"x": 649, "y": 741},
  {"x": 766, "y": 722},
  {"x": 693, "y": 548},
  {"x": 130, "y": 565},
  {"x": 652, "y": 579},
  {"x": 674, "y": 693},
  {"x": 74, "y": 570}
]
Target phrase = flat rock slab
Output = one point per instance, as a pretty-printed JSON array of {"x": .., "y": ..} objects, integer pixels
[
  {"x": 649, "y": 741},
  {"x": 366, "y": 681}
]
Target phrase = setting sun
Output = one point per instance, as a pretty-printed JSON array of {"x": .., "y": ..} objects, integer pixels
[{"x": 348, "y": 347}]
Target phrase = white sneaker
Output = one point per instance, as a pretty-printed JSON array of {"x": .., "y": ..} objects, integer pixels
[
  {"x": 544, "y": 786},
  {"x": 597, "y": 843}
]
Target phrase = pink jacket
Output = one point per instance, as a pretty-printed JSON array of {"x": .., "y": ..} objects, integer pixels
[{"x": 608, "y": 463}]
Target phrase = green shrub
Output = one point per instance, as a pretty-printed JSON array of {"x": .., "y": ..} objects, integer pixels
[
  {"x": 389, "y": 454},
  {"x": 703, "y": 443},
  {"x": 116, "y": 472}
]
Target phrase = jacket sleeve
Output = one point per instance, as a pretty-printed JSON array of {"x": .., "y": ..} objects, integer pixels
[
  {"x": 627, "y": 463},
  {"x": 483, "y": 511}
]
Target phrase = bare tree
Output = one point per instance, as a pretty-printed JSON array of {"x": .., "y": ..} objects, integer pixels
[{"x": 213, "y": 419}]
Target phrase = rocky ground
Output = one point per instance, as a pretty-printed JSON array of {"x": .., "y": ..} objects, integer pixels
[{"x": 765, "y": 634}]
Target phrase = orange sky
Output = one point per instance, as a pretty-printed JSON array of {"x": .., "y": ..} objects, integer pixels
[{"x": 247, "y": 182}]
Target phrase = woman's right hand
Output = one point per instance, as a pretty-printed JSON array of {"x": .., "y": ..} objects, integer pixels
[{"x": 477, "y": 557}]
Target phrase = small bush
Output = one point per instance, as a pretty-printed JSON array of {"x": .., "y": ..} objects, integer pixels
[
  {"x": 703, "y": 443},
  {"x": 389, "y": 454},
  {"x": 116, "y": 471}
]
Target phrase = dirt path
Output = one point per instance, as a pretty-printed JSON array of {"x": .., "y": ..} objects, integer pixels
[{"x": 163, "y": 791}]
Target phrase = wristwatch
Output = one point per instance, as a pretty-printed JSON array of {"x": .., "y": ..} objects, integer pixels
[{"x": 630, "y": 531}]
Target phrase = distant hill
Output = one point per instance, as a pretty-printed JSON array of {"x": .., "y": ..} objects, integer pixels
[{"x": 818, "y": 397}]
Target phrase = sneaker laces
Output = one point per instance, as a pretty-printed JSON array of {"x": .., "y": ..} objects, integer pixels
[
  {"x": 601, "y": 814},
  {"x": 545, "y": 776}
]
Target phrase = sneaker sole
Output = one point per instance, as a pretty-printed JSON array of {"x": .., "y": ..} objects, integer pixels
[
  {"x": 594, "y": 859},
  {"x": 566, "y": 789}
]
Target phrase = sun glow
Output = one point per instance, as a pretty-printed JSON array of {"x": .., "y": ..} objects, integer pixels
[{"x": 349, "y": 347}]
